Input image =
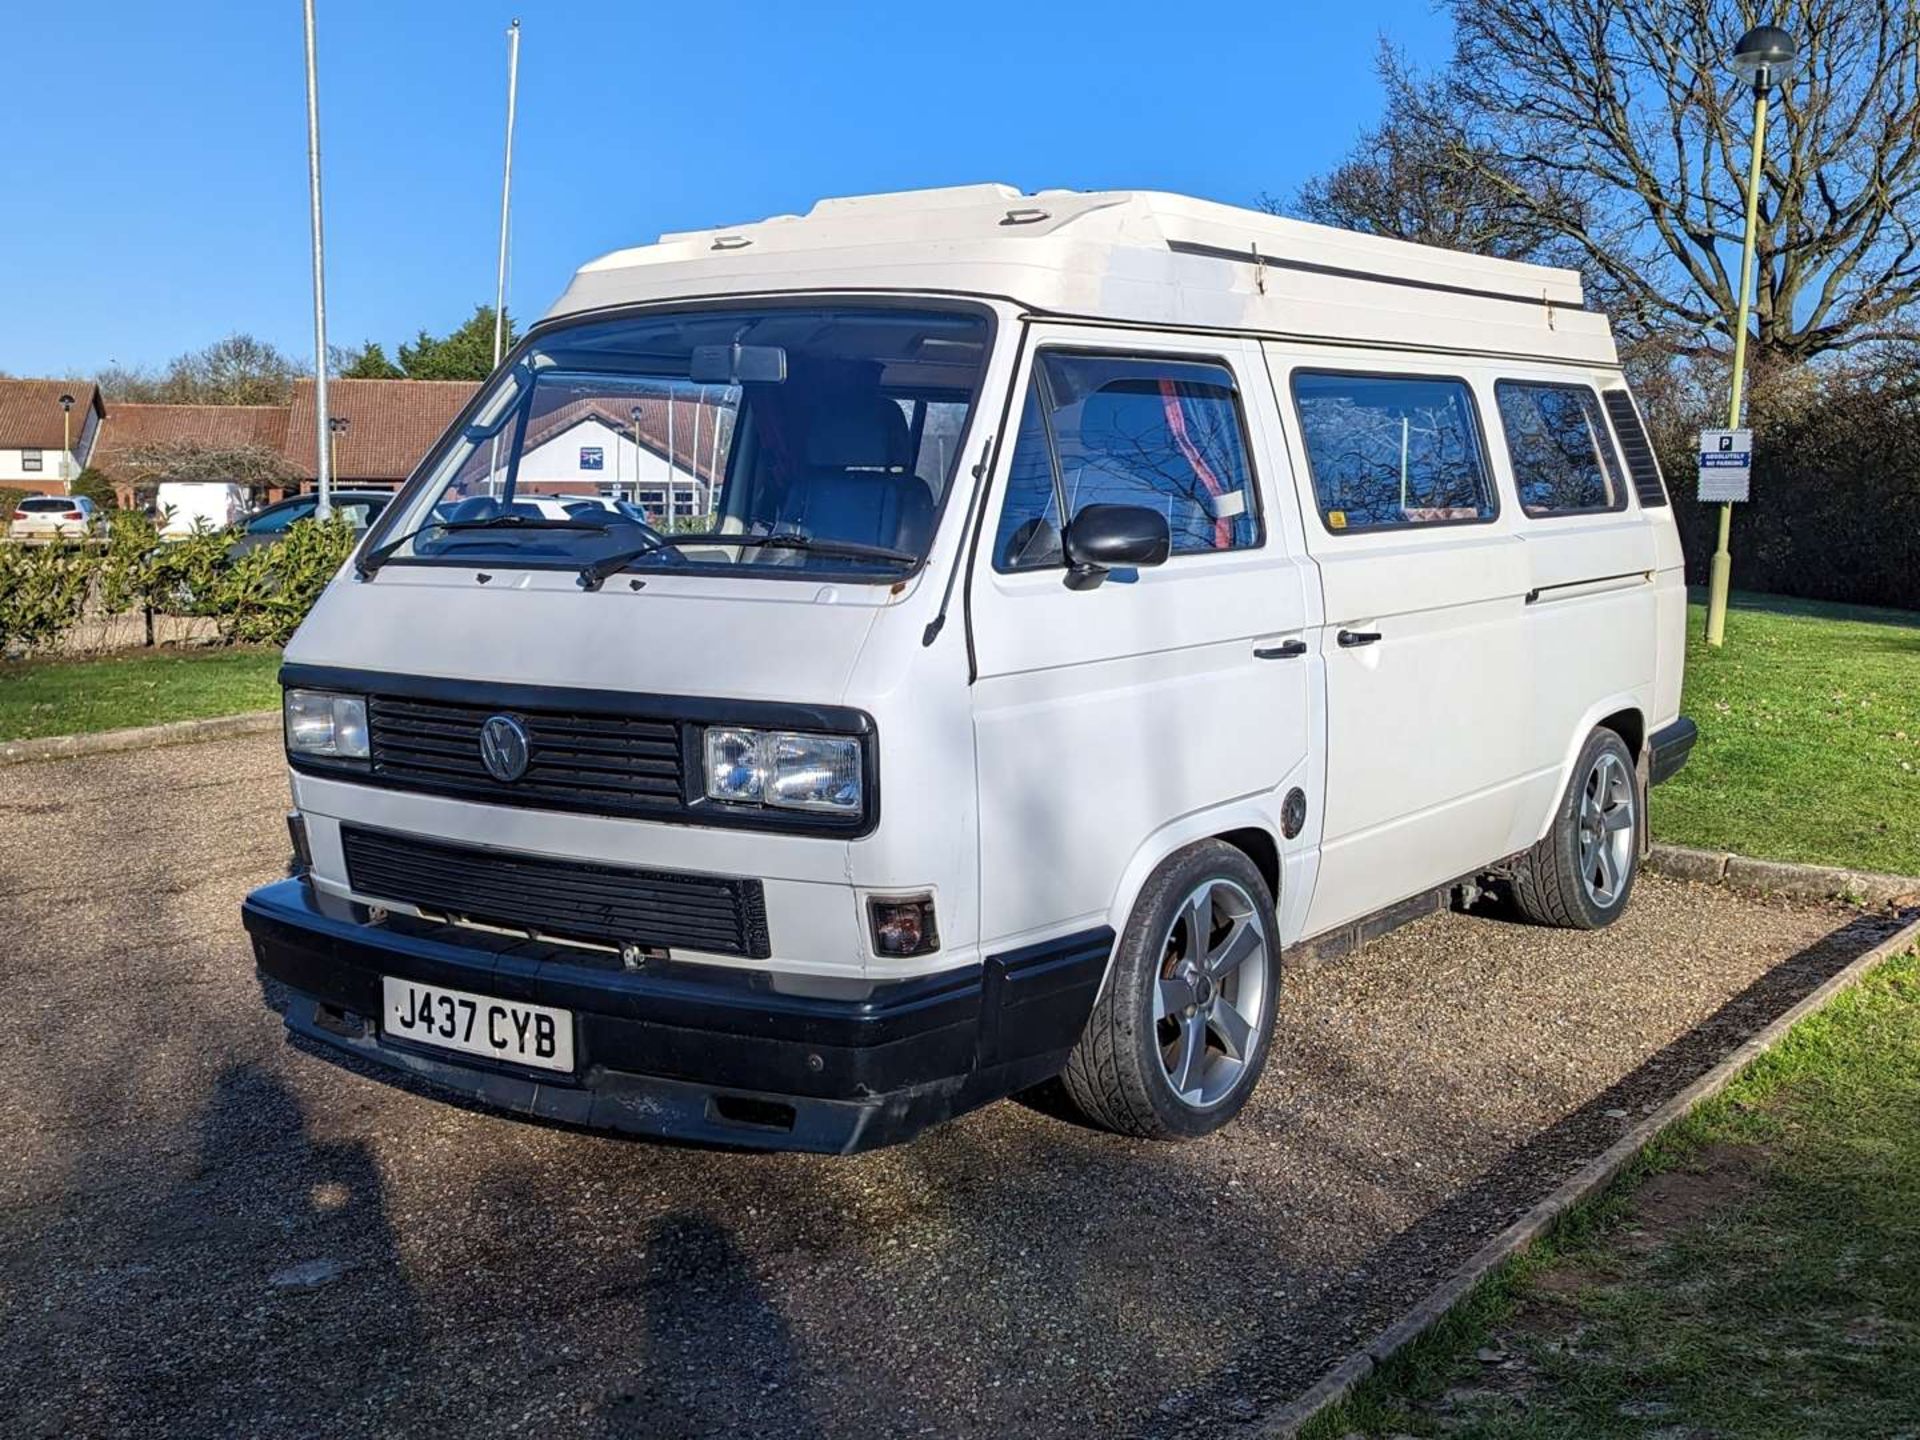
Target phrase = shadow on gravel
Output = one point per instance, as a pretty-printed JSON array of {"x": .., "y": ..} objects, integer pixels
[
  {"x": 275, "y": 1250},
  {"x": 727, "y": 1335},
  {"x": 1294, "y": 1349}
]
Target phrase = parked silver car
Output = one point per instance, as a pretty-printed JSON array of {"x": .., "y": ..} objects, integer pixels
[{"x": 54, "y": 517}]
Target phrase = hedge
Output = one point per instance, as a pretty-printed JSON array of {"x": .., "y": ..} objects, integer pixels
[
  {"x": 1834, "y": 512},
  {"x": 45, "y": 590}
]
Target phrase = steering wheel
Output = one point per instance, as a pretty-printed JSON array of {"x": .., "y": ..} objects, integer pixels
[{"x": 667, "y": 554}]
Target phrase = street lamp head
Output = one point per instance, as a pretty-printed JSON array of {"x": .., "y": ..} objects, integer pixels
[
  {"x": 66, "y": 402},
  {"x": 1765, "y": 56}
]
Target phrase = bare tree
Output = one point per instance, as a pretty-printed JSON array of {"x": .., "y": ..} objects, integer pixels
[
  {"x": 145, "y": 465},
  {"x": 239, "y": 370},
  {"x": 1615, "y": 127},
  {"x": 1415, "y": 176}
]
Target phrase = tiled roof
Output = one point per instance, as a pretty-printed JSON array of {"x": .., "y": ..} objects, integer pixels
[
  {"x": 209, "y": 426},
  {"x": 391, "y": 423},
  {"x": 30, "y": 413}
]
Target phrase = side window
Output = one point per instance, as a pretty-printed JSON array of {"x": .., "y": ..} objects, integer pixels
[
  {"x": 1388, "y": 451},
  {"x": 283, "y": 517},
  {"x": 1562, "y": 462},
  {"x": 1161, "y": 433}
]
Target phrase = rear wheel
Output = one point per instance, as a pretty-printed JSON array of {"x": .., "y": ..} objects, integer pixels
[
  {"x": 1580, "y": 874},
  {"x": 1179, "y": 1036}
]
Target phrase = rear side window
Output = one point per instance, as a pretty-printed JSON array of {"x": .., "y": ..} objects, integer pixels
[
  {"x": 1123, "y": 430},
  {"x": 1387, "y": 450},
  {"x": 1563, "y": 462},
  {"x": 1632, "y": 435}
]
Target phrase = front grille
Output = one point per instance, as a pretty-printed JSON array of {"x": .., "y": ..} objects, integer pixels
[
  {"x": 612, "y": 764},
  {"x": 561, "y": 899}
]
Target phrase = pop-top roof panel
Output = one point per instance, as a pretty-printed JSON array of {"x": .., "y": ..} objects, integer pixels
[{"x": 1126, "y": 256}]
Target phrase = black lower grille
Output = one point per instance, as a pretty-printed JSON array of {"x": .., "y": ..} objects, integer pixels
[
  {"x": 613, "y": 764},
  {"x": 562, "y": 899}
]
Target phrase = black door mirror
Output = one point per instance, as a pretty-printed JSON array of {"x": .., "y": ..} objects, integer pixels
[{"x": 1113, "y": 537}]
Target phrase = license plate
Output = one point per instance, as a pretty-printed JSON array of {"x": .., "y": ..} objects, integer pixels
[{"x": 508, "y": 1030}]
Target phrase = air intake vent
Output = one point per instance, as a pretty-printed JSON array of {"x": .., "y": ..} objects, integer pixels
[
  {"x": 561, "y": 899},
  {"x": 1641, "y": 464}
]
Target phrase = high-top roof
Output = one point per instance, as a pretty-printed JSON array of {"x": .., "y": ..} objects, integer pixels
[{"x": 1123, "y": 255}]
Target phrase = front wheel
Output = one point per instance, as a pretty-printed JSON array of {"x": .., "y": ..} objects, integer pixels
[
  {"x": 1180, "y": 1034},
  {"x": 1581, "y": 872}
]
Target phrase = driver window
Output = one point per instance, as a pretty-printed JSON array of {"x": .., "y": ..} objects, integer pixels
[{"x": 1163, "y": 434}]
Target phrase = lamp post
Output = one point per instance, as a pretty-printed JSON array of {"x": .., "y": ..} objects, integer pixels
[
  {"x": 336, "y": 426},
  {"x": 66, "y": 443},
  {"x": 1764, "y": 57}
]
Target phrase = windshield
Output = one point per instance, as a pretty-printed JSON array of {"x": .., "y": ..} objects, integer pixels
[{"x": 763, "y": 441}]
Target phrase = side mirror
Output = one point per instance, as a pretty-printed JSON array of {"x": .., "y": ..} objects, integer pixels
[{"x": 1113, "y": 537}]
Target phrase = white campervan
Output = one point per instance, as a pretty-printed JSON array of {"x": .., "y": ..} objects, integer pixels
[{"x": 1063, "y": 604}]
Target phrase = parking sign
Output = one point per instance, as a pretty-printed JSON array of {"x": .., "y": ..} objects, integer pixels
[{"x": 1726, "y": 464}]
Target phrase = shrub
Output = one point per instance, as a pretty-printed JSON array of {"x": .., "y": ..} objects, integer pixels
[
  {"x": 43, "y": 592},
  {"x": 262, "y": 596},
  {"x": 95, "y": 485},
  {"x": 268, "y": 592}
]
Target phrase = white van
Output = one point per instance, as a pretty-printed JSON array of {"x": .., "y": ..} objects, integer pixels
[
  {"x": 189, "y": 506},
  {"x": 1105, "y": 593}
]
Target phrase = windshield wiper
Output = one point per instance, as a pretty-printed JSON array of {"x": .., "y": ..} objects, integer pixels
[
  {"x": 595, "y": 572},
  {"x": 367, "y": 564}
]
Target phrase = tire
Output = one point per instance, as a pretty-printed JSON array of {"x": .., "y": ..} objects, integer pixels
[
  {"x": 1579, "y": 876},
  {"x": 1173, "y": 1049}
]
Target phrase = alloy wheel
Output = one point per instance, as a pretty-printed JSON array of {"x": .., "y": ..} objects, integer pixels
[
  {"x": 1606, "y": 830},
  {"x": 1211, "y": 997}
]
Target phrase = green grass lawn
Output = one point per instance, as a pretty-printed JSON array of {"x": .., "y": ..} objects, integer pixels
[
  {"x": 1809, "y": 746},
  {"x": 68, "y": 697},
  {"x": 1755, "y": 1275}
]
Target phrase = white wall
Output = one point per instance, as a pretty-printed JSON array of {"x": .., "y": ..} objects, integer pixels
[
  {"x": 47, "y": 477},
  {"x": 556, "y": 464}
]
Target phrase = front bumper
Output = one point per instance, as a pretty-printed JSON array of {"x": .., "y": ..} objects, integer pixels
[{"x": 693, "y": 1052}]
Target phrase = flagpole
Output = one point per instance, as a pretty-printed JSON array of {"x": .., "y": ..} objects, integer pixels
[
  {"x": 322, "y": 470},
  {"x": 506, "y": 193}
]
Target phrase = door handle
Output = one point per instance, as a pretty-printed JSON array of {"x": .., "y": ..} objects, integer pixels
[
  {"x": 1285, "y": 650},
  {"x": 1350, "y": 638}
]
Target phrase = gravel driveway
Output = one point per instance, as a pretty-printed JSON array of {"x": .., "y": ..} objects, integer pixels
[{"x": 203, "y": 1230}]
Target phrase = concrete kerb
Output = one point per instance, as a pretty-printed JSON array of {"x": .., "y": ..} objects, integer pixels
[
  {"x": 1340, "y": 1381},
  {"x": 144, "y": 737},
  {"x": 1778, "y": 877}
]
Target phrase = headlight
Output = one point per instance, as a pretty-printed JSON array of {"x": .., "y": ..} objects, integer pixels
[
  {"x": 785, "y": 769},
  {"x": 321, "y": 723}
]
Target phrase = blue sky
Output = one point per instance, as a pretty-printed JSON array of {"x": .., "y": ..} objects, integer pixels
[{"x": 167, "y": 187}]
